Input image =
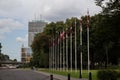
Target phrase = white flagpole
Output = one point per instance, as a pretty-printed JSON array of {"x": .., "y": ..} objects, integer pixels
[
  {"x": 71, "y": 46},
  {"x": 49, "y": 54},
  {"x": 81, "y": 43},
  {"x": 88, "y": 41},
  {"x": 63, "y": 53},
  {"x": 53, "y": 53},
  {"x": 75, "y": 49},
  {"x": 88, "y": 49},
  {"x": 60, "y": 54},
  {"x": 66, "y": 50}
]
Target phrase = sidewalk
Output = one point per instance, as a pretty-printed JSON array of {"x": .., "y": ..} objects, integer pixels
[{"x": 59, "y": 77}]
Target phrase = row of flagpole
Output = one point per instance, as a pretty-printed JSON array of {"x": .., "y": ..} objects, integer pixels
[{"x": 58, "y": 56}]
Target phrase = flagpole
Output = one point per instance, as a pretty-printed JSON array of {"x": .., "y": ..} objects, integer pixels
[
  {"x": 71, "y": 46},
  {"x": 60, "y": 54},
  {"x": 81, "y": 48},
  {"x": 88, "y": 41},
  {"x": 75, "y": 49},
  {"x": 49, "y": 54},
  {"x": 53, "y": 54},
  {"x": 88, "y": 50},
  {"x": 63, "y": 53},
  {"x": 66, "y": 50}
]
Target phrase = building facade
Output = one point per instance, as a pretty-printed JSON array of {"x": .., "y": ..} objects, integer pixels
[
  {"x": 34, "y": 27},
  {"x": 26, "y": 54}
]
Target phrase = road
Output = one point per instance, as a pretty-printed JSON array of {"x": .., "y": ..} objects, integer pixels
[{"x": 16, "y": 74}]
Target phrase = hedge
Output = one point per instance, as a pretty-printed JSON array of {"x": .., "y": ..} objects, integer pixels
[{"x": 108, "y": 75}]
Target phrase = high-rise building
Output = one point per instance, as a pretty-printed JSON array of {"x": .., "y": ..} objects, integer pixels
[{"x": 34, "y": 27}]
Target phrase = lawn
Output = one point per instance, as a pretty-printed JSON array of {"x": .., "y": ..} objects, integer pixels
[{"x": 73, "y": 73}]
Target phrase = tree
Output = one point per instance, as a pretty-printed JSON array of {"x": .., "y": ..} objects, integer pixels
[
  {"x": 108, "y": 27},
  {"x": 40, "y": 50}
]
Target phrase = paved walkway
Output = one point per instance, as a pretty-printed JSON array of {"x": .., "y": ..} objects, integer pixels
[{"x": 59, "y": 77}]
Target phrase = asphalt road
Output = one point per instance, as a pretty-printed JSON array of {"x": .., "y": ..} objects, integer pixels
[{"x": 16, "y": 74}]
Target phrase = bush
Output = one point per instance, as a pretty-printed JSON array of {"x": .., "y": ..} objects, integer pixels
[{"x": 107, "y": 75}]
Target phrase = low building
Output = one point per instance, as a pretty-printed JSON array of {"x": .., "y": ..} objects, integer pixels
[{"x": 26, "y": 54}]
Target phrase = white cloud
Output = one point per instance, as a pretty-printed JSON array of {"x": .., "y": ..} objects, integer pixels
[
  {"x": 22, "y": 39},
  {"x": 51, "y": 10},
  {"x": 8, "y": 5},
  {"x": 8, "y": 25}
]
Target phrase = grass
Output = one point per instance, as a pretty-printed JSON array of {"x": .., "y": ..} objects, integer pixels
[{"x": 73, "y": 73}]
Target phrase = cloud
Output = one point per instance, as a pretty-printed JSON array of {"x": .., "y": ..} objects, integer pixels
[
  {"x": 22, "y": 39},
  {"x": 8, "y": 5},
  {"x": 54, "y": 10},
  {"x": 7, "y": 25},
  {"x": 51, "y": 10}
]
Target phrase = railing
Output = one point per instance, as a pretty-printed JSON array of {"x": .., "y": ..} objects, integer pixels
[{"x": 10, "y": 62}]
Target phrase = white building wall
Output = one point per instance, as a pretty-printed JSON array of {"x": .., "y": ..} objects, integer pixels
[{"x": 35, "y": 27}]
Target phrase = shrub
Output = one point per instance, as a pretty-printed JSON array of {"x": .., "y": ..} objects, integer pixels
[{"x": 107, "y": 75}]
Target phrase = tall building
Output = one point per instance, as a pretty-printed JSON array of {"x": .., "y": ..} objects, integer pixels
[
  {"x": 26, "y": 54},
  {"x": 34, "y": 27}
]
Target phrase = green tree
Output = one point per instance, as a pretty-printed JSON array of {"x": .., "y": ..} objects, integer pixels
[
  {"x": 107, "y": 31},
  {"x": 40, "y": 50}
]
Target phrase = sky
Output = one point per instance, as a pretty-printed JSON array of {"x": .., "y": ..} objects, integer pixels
[{"x": 15, "y": 15}]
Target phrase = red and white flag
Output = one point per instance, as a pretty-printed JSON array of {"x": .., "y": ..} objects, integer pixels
[
  {"x": 80, "y": 24},
  {"x": 62, "y": 35},
  {"x": 88, "y": 18}
]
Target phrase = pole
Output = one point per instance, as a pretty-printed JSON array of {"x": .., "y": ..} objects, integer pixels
[
  {"x": 66, "y": 50},
  {"x": 81, "y": 48},
  {"x": 75, "y": 49},
  {"x": 49, "y": 53},
  {"x": 53, "y": 53},
  {"x": 88, "y": 41},
  {"x": 88, "y": 49},
  {"x": 71, "y": 46},
  {"x": 60, "y": 55},
  {"x": 63, "y": 53}
]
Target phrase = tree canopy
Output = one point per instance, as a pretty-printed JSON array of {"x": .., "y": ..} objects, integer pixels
[{"x": 104, "y": 36}]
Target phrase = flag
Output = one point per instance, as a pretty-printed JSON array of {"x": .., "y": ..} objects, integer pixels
[
  {"x": 66, "y": 32},
  {"x": 88, "y": 18},
  {"x": 62, "y": 35},
  {"x": 80, "y": 24},
  {"x": 71, "y": 29}
]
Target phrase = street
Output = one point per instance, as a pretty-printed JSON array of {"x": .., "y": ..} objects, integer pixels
[{"x": 16, "y": 74}]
